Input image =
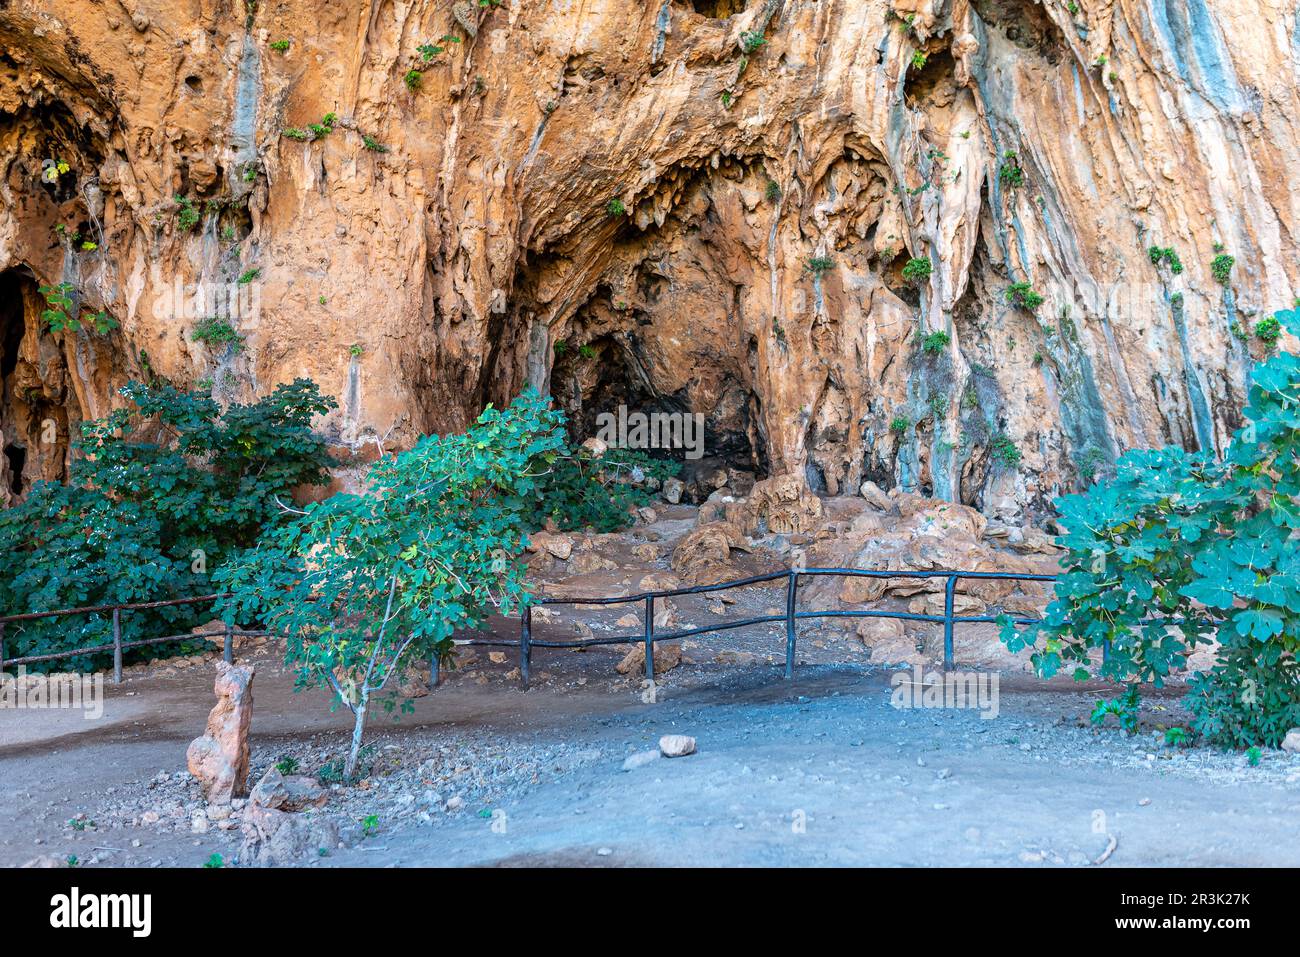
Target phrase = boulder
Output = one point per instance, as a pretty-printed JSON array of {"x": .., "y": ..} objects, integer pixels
[
  {"x": 673, "y": 489},
  {"x": 782, "y": 505},
  {"x": 676, "y": 745},
  {"x": 703, "y": 556},
  {"x": 659, "y": 581},
  {"x": 1291, "y": 743},
  {"x": 668, "y": 655},
  {"x": 275, "y": 838},
  {"x": 292, "y": 792},
  {"x": 219, "y": 758},
  {"x": 558, "y": 546},
  {"x": 875, "y": 496}
]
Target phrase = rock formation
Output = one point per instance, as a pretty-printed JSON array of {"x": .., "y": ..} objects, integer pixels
[
  {"x": 807, "y": 219},
  {"x": 219, "y": 757}
]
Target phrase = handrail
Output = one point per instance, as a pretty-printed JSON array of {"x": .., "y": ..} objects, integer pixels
[
  {"x": 227, "y": 634},
  {"x": 791, "y": 617},
  {"x": 526, "y": 642}
]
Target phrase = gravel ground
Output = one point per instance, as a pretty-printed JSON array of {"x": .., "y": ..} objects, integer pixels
[{"x": 820, "y": 770}]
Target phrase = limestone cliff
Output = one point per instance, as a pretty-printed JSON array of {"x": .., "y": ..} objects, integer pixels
[{"x": 694, "y": 205}]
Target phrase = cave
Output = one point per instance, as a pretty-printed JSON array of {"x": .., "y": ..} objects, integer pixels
[
  {"x": 717, "y": 9},
  {"x": 16, "y": 458},
  {"x": 36, "y": 406}
]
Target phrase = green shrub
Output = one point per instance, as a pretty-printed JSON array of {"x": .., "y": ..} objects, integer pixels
[
  {"x": 820, "y": 265},
  {"x": 215, "y": 332},
  {"x": 324, "y": 128},
  {"x": 1023, "y": 296},
  {"x": 751, "y": 40},
  {"x": 1167, "y": 255},
  {"x": 615, "y": 207},
  {"x": 919, "y": 59},
  {"x": 1010, "y": 173},
  {"x": 1005, "y": 450},
  {"x": 917, "y": 271},
  {"x": 158, "y": 498},
  {"x": 1268, "y": 330},
  {"x": 187, "y": 215},
  {"x": 900, "y": 424},
  {"x": 935, "y": 342},
  {"x": 599, "y": 493},
  {"x": 1221, "y": 268},
  {"x": 413, "y": 79},
  {"x": 1180, "y": 548},
  {"x": 279, "y": 45},
  {"x": 773, "y": 191}
]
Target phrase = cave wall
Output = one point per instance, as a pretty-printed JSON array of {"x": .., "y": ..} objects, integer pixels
[{"x": 450, "y": 239}]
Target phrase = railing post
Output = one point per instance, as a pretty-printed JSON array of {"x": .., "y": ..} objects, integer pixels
[
  {"x": 228, "y": 645},
  {"x": 525, "y": 644},
  {"x": 949, "y": 592},
  {"x": 117, "y": 646},
  {"x": 435, "y": 669},
  {"x": 650, "y": 638},
  {"x": 2, "y": 647},
  {"x": 791, "y": 588}
]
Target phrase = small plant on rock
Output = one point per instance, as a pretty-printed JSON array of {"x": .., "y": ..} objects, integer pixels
[
  {"x": 1268, "y": 330},
  {"x": 820, "y": 265},
  {"x": 1221, "y": 268},
  {"x": 1010, "y": 174},
  {"x": 615, "y": 207},
  {"x": 1167, "y": 255},
  {"x": 187, "y": 215},
  {"x": 1005, "y": 450},
  {"x": 1023, "y": 296},
  {"x": 934, "y": 343},
  {"x": 917, "y": 271},
  {"x": 216, "y": 332}
]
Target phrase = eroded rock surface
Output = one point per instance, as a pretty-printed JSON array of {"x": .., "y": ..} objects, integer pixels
[
  {"x": 679, "y": 205},
  {"x": 219, "y": 757}
]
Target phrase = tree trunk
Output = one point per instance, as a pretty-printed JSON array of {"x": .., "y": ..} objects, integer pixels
[{"x": 350, "y": 769}]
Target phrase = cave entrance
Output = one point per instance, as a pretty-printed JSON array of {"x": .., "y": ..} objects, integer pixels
[
  {"x": 602, "y": 385},
  {"x": 12, "y": 328},
  {"x": 16, "y": 456},
  {"x": 34, "y": 417}
]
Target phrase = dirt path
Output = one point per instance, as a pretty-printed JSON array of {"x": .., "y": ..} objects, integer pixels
[{"x": 821, "y": 770}]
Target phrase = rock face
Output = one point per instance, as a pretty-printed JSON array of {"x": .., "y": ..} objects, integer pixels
[
  {"x": 274, "y": 833},
  {"x": 219, "y": 758},
  {"x": 805, "y": 221}
]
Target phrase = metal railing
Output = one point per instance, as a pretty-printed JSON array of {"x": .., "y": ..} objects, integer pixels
[
  {"x": 790, "y": 618},
  {"x": 227, "y": 634},
  {"x": 526, "y": 642}
]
